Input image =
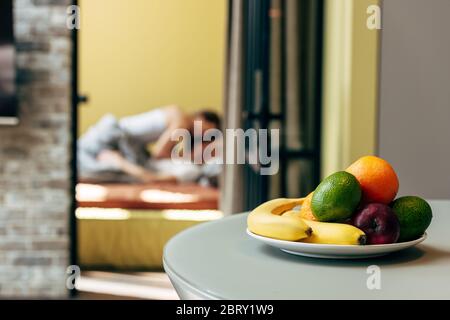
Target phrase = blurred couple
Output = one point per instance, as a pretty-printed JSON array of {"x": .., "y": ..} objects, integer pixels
[{"x": 117, "y": 150}]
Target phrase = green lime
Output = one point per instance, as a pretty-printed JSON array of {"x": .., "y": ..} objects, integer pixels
[
  {"x": 414, "y": 215},
  {"x": 336, "y": 197}
]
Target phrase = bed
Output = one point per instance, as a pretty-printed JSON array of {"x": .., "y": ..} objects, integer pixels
[{"x": 125, "y": 226}]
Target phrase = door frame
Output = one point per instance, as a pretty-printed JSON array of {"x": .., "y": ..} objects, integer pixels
[{"x": 73, "y": 252}]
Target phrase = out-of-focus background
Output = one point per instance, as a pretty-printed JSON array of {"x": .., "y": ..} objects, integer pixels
[
  {"x": 335, "y": 87},
  {"x": 149, "y": 54}
]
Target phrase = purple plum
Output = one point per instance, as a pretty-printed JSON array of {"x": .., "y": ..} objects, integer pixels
[{"x": 379, "y": 223}]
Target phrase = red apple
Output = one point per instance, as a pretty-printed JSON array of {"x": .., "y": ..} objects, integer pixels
[{"x": 379, "y": 222}]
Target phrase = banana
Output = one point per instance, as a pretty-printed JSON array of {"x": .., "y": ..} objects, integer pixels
[
  {"x": 331, "y": 233},
  {"x": 267, "y": 220}
]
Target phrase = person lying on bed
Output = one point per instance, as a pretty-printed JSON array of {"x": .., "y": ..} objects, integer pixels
[
  {"x": 116, "y": 150},
  {"x": 166, "y": 170}
]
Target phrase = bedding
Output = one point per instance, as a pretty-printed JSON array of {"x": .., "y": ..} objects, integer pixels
[
  {"x": 125, "y": 226},
  {"x": 147, "y": 196},
  {"x": 131, "y": 239}
]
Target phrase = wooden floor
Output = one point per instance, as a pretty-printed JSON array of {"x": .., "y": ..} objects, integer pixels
[{"x": 101, "y": 285}]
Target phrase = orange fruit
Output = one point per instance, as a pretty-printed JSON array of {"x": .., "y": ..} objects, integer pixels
[
  {"x": 305, "y": 210},
  {"x": 378, "y": 180}
]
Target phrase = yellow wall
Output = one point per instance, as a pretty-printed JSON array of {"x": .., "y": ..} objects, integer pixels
[
  {"x": 140, "y": 54},
  {"x": 351, "y": 73},
  {"x": 365, "y": 75}
]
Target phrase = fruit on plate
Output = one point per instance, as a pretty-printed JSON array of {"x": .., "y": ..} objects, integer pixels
[
  {"x": 336, "y": 197},
  {"x": 267, "y": 220},
  {"x": 415, "y": 216},
  {"x": 332, "y": 233},
  {"x": 305, "y": 210},
  {"x": 351, "y": 207},
  {"x": 378, "y": 180},
  {"x": 379, "y": 222}
]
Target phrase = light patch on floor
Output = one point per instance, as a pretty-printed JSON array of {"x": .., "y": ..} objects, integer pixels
[{"x": 137, "y": 285}]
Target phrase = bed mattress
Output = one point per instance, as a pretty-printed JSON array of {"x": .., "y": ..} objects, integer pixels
[{"x": 131, "y": 239}]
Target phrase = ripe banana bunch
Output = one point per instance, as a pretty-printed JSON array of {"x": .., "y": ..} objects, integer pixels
[
  {"x": 332, "y": 233},
  {"x": 276, "y": 219},
  {"x": 266, "y": 220}
]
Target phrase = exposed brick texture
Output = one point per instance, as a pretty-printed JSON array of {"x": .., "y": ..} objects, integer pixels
[{"x": 35, "y": 158}]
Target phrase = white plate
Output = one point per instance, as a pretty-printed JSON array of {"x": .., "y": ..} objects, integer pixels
[{"x": 331, "y": 251}]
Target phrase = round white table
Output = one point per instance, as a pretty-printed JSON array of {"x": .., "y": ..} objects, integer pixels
[{"x": 218, "y": 260}]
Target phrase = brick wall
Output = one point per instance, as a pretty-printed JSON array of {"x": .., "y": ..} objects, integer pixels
[{"x": 34, "y": 157}]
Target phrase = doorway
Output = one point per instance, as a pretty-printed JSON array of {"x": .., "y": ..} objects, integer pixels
[{"x": 128, "y": 61}]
